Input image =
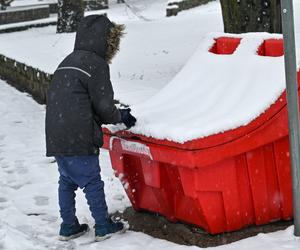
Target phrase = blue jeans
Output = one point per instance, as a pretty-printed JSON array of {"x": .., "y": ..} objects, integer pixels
[{"x": 82, "y": 172}]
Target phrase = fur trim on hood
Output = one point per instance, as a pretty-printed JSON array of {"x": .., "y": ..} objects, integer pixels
[
  {"x": 96, "y": 33},
  {"x": 113, "y": 41}
]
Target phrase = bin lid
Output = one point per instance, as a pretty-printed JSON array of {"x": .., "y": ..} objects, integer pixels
[{"x": 229, "y": 87}]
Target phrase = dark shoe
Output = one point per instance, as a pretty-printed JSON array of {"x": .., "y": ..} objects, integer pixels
[
  {"x": 105, "y": 231},
  {"x": 68, "y": 232}
]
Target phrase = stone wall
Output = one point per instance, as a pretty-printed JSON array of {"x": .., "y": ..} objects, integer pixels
[
  {"x": 25, "y": 78},
  {"x": 96, "y": 4},
  {"x": 53, "y": 8},
  {"x": 176, "y": 6},
  {"x": 15, "y": 15}
]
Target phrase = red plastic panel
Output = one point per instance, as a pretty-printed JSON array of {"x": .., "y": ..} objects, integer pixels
[
  {"x": 282, "y": 158},
  {"x": 250, "y": 188},
  {"x": 151, "y": 172},
  {"x": 263, "y": 184},
  {"x": 217, "y": 191},
  {"x": 271, "y": 47},
  {"x": 245, "y": 192},
  {"x": 225, "y": 45}
]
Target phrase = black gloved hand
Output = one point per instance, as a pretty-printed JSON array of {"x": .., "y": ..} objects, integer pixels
[{"x": 128, "y": 119}]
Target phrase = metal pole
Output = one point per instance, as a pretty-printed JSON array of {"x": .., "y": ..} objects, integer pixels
[{"x": 292, "y": 99}]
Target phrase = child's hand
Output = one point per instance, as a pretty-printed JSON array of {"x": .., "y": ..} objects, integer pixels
[{"x": 127, "y": 118}]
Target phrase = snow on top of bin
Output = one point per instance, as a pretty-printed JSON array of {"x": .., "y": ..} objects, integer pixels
[{"x": 214, "y": 93}]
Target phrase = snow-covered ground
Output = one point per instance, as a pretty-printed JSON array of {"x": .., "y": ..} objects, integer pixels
[
  {"x": 29, "y": 218},
  {"x": 28, "y": 180},
  {"x": 154, "y": 50}
]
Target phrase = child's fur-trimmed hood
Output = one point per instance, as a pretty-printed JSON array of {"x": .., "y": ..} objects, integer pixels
[{"x": 96, "y": 33}]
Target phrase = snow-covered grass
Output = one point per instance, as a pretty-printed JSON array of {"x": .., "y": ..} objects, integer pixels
[
  {"x": 29, "y": 218},
  {"x": 152, "y": 52}
]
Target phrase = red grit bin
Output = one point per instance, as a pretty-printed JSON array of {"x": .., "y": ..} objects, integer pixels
[{"x": 222, "y": 182}]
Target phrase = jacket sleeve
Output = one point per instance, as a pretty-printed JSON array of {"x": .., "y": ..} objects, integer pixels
[{"x": 102, "y": 97}]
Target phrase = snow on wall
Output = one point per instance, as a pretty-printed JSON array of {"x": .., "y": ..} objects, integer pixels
[
  {"x": 214, "y": 93},
  {"x": 31, "y": 2}
]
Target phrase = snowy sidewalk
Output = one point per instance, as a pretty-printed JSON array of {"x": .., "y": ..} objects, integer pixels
[{"x": 29, "y": 218}]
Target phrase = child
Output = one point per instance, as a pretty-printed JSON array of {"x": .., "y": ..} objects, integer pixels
[{"x": 79, "y": 100}]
